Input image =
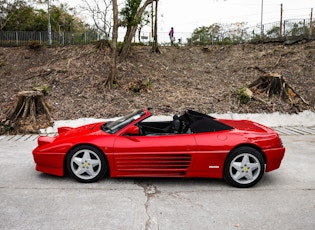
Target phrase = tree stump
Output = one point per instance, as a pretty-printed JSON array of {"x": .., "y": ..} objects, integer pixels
[
  {"x": 29, "y": 112},
  {"x": 274, "y": 84},
  {"x": 271, "y": 84}
]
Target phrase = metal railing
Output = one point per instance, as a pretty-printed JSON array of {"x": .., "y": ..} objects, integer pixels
[
  {"x": 22, "y": 38},
  {"x": 290, "y": 28}
]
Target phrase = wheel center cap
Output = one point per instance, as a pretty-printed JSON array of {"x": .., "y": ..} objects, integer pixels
[{"x": 245, "y": 169}]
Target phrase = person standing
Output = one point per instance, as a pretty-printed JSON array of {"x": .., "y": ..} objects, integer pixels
[{"x": 171, "y": 34}]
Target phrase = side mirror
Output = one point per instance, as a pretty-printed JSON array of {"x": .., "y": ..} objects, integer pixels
[{"x": 133, "y": 130}]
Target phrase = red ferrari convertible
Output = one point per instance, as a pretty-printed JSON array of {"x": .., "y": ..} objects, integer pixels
[{"x": 191, "y": 145}]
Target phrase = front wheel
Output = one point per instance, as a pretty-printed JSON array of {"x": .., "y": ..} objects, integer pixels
[
  {"x": 86, "y": 164},
  {"x": 244, "y": 167}
]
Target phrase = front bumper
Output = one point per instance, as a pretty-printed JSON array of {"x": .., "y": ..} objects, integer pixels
[{"x": 51, "y": 163}]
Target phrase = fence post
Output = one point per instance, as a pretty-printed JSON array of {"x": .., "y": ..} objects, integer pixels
[
  {"x": 17, "y": 38},
  {"x": 242, "y": 35}
]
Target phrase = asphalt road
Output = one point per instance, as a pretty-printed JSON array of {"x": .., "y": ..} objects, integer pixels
[{"x": 284, "y": 199}]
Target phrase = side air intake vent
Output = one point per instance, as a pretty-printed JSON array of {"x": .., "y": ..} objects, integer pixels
[{"x": 154, "y": 164}]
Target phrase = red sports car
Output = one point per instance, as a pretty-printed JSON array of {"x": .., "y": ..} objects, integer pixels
[{"x": 190, "y": 145}]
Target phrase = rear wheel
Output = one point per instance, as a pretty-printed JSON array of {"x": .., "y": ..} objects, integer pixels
[
  {"x": 244, "y": 167},
  {"x": 86, "y": 164}
]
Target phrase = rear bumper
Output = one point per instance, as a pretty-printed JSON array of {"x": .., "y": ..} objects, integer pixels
[{"x": 274, "y": 158}]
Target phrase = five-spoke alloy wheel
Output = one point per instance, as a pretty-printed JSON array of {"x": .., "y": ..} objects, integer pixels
[
  {"x": 244, "y": 167},
  {"x": 86, "y": 164}
]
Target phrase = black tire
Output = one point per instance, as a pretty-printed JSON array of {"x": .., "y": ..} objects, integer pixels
[
  {"x": 244, "y": 167},
  {"x": 86, "y": 164}
]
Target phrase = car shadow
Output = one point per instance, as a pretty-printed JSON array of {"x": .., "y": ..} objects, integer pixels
[{"x": 184, "y": 183}]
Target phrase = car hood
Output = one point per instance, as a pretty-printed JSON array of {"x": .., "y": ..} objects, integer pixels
[
  {"x": 69, "y": 133},
  {"x": 64, "y": 132}
]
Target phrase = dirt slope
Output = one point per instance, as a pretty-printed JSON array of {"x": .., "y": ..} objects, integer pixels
[{"x": 199, "y": 78}]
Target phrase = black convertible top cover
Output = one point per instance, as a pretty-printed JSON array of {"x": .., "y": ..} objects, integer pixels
[{"x": 200, "y": 122}]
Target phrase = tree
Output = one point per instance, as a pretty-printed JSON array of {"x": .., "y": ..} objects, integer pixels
[
  {"x": 144, "y": 21},
  {"x": 297, "y": 29},
  {"x": 234, "y": 32},
  {"x": 131, "y": 16},
  {"x": 219, "y": 33},
  {"x": 113, "y": 68},
  {"x": 206, "y": 35},
  {"x": 26, "y": 18},
  {"x": 155, "y": 47},
  {"x": 7, "y": 8},
  {"x": 101, "y": 14}
]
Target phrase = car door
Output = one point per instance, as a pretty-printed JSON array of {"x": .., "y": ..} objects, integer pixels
[
  {"x": 211, "y": 151},
  {"x": 160, "y": 155}
]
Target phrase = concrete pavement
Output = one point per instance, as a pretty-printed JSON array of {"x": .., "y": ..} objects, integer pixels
[{"x": 284, "y": 199}]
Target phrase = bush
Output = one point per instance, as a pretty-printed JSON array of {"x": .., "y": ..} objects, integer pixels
[
  {"x": 34, "y": 45},
  {"x": 244, "y": 95}
]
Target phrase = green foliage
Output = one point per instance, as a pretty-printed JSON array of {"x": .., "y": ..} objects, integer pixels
[
  {"x": 26, "y": 18},
  {"x": 273, "y": 32},
  {"x": 138, "y": 44},
  {"x": 120, "y": 45},
  {"x": 298, "y": 29},
  {"x": 6, "y": 8},
  {"x": 218, "y": 34},
  {"x": 148, "y": 83},
  {"x": 2, "y": 63},
  {"x": 129, "y": 13},
  {"x": 62, "y": 20},
  {"x": 45, "y": 89},
  {"x": 8, "y": 128},
  {"x": 139, "y": 86},
  {"x": 243, "y": 97},
  {"x": 205, "y": 35},
  {"x": 255, "y": 38}
]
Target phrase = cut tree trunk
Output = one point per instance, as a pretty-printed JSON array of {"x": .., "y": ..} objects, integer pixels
[
  {"x": 29, "y": 109},
  {"x": 271, "y": 84},
  {"x": 274, "y": 84}
]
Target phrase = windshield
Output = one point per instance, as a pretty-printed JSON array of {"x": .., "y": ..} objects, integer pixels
[{"x": 114, "y": 126}]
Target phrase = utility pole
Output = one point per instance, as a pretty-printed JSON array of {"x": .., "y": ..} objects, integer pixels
[
  {"x": 261, "y": 19},
  {"x": 281, "y": 10},
  {"x": 49, "y": 25},
  {"x": 152, "y": 22},
  {"x": 311, "y": 23}
]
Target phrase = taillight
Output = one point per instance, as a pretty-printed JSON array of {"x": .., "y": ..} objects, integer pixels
[{"x": 43, "y": 140}]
